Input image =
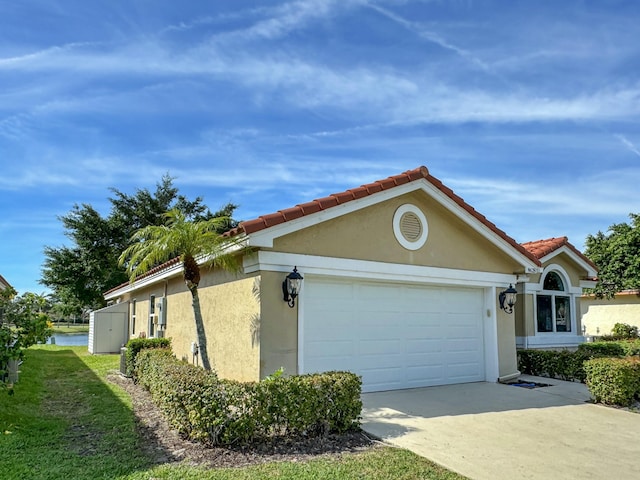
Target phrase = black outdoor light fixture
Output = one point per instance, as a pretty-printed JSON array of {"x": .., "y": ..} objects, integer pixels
[
  {"x": 291, "y": 287},
  {"x": 508, "y": 299}
]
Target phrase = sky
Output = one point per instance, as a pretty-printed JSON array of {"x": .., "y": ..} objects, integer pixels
[{"x": 529, "y": 110}]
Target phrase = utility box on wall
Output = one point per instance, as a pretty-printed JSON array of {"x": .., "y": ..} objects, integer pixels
[
  {"x": 109, "y": 329},
  {"x": 161, "y": 311}
]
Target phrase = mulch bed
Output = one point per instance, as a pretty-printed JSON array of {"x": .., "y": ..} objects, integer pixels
[{"x": 164, "y": 445}]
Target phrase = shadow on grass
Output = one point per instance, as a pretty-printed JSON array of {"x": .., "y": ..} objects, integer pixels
[{"x": 66, "y": 421}]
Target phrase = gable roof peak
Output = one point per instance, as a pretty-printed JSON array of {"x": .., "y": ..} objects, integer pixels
[
  {"x": 542, "y": 248},
  {"x": 332, "y": 200}
]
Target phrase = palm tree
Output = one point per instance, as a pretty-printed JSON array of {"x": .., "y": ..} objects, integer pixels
[{"x": 192, "y": 242}]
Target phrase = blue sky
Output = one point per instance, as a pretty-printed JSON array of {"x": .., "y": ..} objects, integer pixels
[{"x": 529, "y": 110}]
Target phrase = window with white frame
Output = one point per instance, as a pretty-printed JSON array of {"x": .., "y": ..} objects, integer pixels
[{"x": 553, "y": 305}]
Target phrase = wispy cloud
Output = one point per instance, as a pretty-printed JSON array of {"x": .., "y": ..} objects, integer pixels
[
  {"x": 431, "y": 36},
  {"x": 628, "y": 144}
]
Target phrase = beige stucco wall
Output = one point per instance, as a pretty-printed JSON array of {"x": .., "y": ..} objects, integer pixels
[
  {"x": 368, "y": 235},
  {"x": 507, "y": 360},
  {"x": 250, "y": 336},
  {"x": 278, "y": 328},
  {"x": 600, "y": 315},
  {"x": 230, "y": 308}
]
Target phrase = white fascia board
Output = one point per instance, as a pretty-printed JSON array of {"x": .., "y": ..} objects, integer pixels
[
  {"x": 528, "y": 265},
  {"x": 531, "y": 288},
  {"x": 564, "y": 249},
  {"x": 379, "y": 271},
  {"x": 164, "y": 274},
  {"x": 588, "y": 283},
  {"x": 265, "y": 238},
  {"x": 173, "y": 270}
]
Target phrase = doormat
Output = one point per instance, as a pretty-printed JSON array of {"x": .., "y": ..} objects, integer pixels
[{"x": 529, "y": 385}]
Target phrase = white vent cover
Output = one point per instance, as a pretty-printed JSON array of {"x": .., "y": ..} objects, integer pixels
[{"x": 410, "y": 227}]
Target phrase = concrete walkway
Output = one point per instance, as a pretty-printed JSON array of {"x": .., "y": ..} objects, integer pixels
[{"x": 493, "y": 431}]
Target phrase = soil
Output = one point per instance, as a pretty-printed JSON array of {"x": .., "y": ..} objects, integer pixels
[{"x": 164, "y": 445}]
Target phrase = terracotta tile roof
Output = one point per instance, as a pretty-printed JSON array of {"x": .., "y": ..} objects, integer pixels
[
  {"x": 421, "y": 173},
  {"x": 301, "y": 210},
  {"x": 542, "y": 248},
  {"x": 153, "y": 271},
  {"x": 335, "y": 199}
]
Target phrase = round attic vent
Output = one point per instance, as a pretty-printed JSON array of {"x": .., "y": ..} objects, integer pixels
[{"x": 410, "y": 227}]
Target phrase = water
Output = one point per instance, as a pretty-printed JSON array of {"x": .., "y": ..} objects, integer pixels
[{"x": 70, "y": 339}]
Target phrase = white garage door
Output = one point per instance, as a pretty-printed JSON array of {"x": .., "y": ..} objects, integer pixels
[{"x": 394, "y": 336}]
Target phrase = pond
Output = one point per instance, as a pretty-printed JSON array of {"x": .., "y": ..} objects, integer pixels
[{"x": 69, "y": 339}]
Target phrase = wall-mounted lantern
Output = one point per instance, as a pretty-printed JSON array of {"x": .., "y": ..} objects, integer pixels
[
  {"x": 291, "y": 287},
  {"x": 507, "y": 299}
]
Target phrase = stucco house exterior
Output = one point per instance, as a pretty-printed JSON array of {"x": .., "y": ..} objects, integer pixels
[
  {"x": 601, "y": 314},
  {"x": 549, "y": 308},
  {"x": 401, "y": 285}
]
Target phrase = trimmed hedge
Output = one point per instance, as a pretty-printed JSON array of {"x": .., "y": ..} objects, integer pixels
[
  {"x": 568, "y": 365},
  {"x": 601, "y": 349},
  {"x": 222, "y": 412},
  {"x": 631, "y": 348},
  {"x": 614, "y": 381},
  {"x": 563, "y": 364},
  {"x": 136, "y": 344}
]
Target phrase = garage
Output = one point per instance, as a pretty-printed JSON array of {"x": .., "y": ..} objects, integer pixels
[{"x": 394, "y": 335}]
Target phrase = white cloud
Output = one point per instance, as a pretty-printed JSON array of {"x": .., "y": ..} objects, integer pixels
[{"x": 627, "y": 143}]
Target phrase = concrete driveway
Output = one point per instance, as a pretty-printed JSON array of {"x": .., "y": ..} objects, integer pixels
[{"x": 493, "y": 431}]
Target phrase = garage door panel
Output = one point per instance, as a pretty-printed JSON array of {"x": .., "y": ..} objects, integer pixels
[
  {"x": 462, "y": 345},
  {"x": 428, "y": 373},
  {"x": 394, "y": 336},
  {"x": 382, "y": 378},
  {"x": 425, "y": 347},
  {"x": 328, "y": 347},
  {"x": 380, "y": 347}
]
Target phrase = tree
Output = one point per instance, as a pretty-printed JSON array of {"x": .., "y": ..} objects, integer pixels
[
  {"x": 617, "y": 256},
  {"x": 78, "y": 274},
  {"x": 23, "y": 323},
  {"x": 192, "y": 241}
]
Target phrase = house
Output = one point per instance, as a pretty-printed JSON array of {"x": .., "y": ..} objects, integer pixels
[
  {"x": 401, "y": 284},
  {"x": 3, "y": 283},
  {"x": 601, "y": 314},
  {"x": 549, "y": 310}
]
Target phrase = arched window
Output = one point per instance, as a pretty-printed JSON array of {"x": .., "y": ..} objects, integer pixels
[{"x": 553, "y": 306}]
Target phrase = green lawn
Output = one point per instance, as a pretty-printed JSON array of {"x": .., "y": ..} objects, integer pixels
[
  {"x": 78, "y": 328},
  {"x": 66, "y": 422}
]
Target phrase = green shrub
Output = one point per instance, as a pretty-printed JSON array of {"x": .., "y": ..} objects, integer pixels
[
  {"x": 563, "y": 364},
  {"x": 568, "y": 365},
  {"x": 136, "y": 344},
  {"x": 205, "y": 408},
  {"x": 624, "y": 331},
  {"x": 601, "y": 349},
  {"x": 614, "y": 381},
  {"x": 630, "y": 348}
]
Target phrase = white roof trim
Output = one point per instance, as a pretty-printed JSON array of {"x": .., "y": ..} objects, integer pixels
[
  {"x": 163, "y": 274},
  {"x": 591, "y": 272},
  {"x": 380, "y": 271},
  {"x": 171, "y": 271},
  {"x": 265, "y": 238}
]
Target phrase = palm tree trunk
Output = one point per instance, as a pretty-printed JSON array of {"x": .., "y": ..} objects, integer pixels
[{"x": 202, "y": 337}]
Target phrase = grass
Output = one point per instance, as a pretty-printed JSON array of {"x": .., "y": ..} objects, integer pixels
[
  {"x": 63, "y": 328},
  {"x": 66, "y": 422}
]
